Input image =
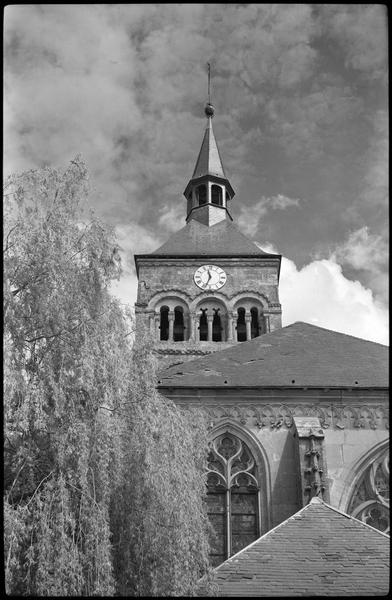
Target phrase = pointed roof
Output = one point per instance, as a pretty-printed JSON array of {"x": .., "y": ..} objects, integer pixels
[
  {"x": 209, "y": 161},
  {"x": 222, "y": 239},
  {"x": 319, "y": 551},
  {"x": 299, "y": 355}
]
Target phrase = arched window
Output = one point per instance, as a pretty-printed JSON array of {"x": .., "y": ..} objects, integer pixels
[
  {"x": 203, "y": 326},
  {"x": 370, "y": 500},
  {"x": 201, "y": 192},
  {"x": 232, "y": 497},
  {"x": 241, "y": 325},
  {"x": 178, "y": 327},
  {"x": 216, "y": 195},
  {"x": 164, "y": 323},
  {"x": 216, "y": 327},
  {"x": 254, "y": 323}
]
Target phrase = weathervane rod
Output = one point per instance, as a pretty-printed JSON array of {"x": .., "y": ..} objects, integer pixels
[{"x": 209, "y": 82}]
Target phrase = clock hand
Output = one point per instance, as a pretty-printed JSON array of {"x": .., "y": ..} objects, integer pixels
[{"x": 209, "y": 276}]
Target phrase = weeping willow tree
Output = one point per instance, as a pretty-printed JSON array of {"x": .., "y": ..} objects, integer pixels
[
  {"x": 159, "y": 519},
  {"x": 103, "y": 478}
]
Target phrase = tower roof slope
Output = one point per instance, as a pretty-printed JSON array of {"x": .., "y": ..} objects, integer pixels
[
  {"x": 319, "y": 551},
  {"x": 209, "y": 160},
  {"x": 299, "y": 355},
  {"x": 224, "y": 238}
]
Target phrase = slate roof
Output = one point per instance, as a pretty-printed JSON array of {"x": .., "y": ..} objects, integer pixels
[
  {"x": 222, "y": 239},
  {"x": 319, "y": 551},
  {"x": 299, "y": 355},
  {"x": 209, "y": 161}
]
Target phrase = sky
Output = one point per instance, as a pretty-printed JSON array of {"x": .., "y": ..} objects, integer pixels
[{"x": 301, "y": 121}]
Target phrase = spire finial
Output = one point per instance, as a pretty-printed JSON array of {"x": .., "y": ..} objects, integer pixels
[{"x": 209, "y": 109}]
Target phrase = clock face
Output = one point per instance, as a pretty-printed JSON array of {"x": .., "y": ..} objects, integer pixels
[{"x": 210, "y": 277}]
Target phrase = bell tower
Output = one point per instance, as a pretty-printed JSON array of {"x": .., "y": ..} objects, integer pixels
[
  {"x": 208, "y": 286},
  {"x": 208, "y": 192}
]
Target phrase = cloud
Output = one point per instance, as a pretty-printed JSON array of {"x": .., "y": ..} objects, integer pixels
[
  {"x": 132, "y": 239},
  {"x": 362, "y": 250},
  {"x": 362, "y": 32},
  {"x": 173, "y": 218},
  {"x": 368, "y": 255},
  {"x": 250, "y": 216},
  {"x": 319, "y": 293},
  {"x": 300, "y": 105}
]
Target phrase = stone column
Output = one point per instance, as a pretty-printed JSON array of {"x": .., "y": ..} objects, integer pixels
[
  {"x": 229, "y": 327},
  {"x": 152, "y": 324},
  {"x": 171, "y": 325},
  {"x": 267, "y": 323},
  {"x": 210, "y": 318},
  {"x": 197, "y": 328},
  {"x": 234, "y": 323},
  {"x": 248, "y": 319},
  {"x": 186, "y": 326},
  {"x": 191, "y": 327},
  {"x": 157, "y": 320}
]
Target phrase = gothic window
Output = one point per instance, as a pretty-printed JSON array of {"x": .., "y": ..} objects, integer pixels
[
  {"x": 216, "y": 195},
  {"x": 178, "y": 327},
  {"x": 203, "y": 326},
  {"x": 370, "y": 500},
  {"x": 164, "y": 323},
  {"x": 241, "y": 325},
  {"x": 201, "y": 192},
  {"x": 216, "y": 327},
  {"x": 254, "y": 324},
  {"x": 232, "y": 497}
]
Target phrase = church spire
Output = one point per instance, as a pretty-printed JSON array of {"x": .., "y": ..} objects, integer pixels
[
  {"x": 208, "y": 191},
  {"x": 209, "y": 161}
]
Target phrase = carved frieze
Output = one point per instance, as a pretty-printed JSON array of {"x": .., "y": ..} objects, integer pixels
[{"x": 275, "y": 416}]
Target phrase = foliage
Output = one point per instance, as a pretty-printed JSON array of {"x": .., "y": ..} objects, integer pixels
[
  {"x": 161, "y": 534},
  {"x": 103, "y": 477}
]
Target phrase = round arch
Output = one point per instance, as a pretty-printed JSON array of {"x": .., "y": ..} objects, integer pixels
[
  {"x": 207, "y": 296},
  {"x": 249, "y": 298},
  {"x": 170, "y": 298}
]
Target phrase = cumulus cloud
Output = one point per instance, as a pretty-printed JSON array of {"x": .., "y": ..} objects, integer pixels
[
  {"x": 251, "y": 216},
  {"x": 367, "y": 254},
  {"x": 300, "y": 95},
  {"x": 320, "y": 294},
  {"x": 132, "y": 239},
  {"x": 362, "y": 250}
]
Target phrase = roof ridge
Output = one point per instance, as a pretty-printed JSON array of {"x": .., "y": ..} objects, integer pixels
[
  {"x": 262, "y": 536},
  {"x": 335, "y": 331},
  {"x": 312, "y": 503},
  {"x": 343, "y": 514}
]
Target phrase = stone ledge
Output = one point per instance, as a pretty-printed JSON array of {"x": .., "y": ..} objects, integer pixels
[{"x": 192, "y": 348}]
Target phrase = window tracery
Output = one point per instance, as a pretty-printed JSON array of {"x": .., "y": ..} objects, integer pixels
[
  {"x": 370, "y": 500},
  {"x": 232, "y": 496}
]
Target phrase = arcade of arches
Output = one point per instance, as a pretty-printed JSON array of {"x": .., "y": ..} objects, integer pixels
[{"x": 209, "y": 322}]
